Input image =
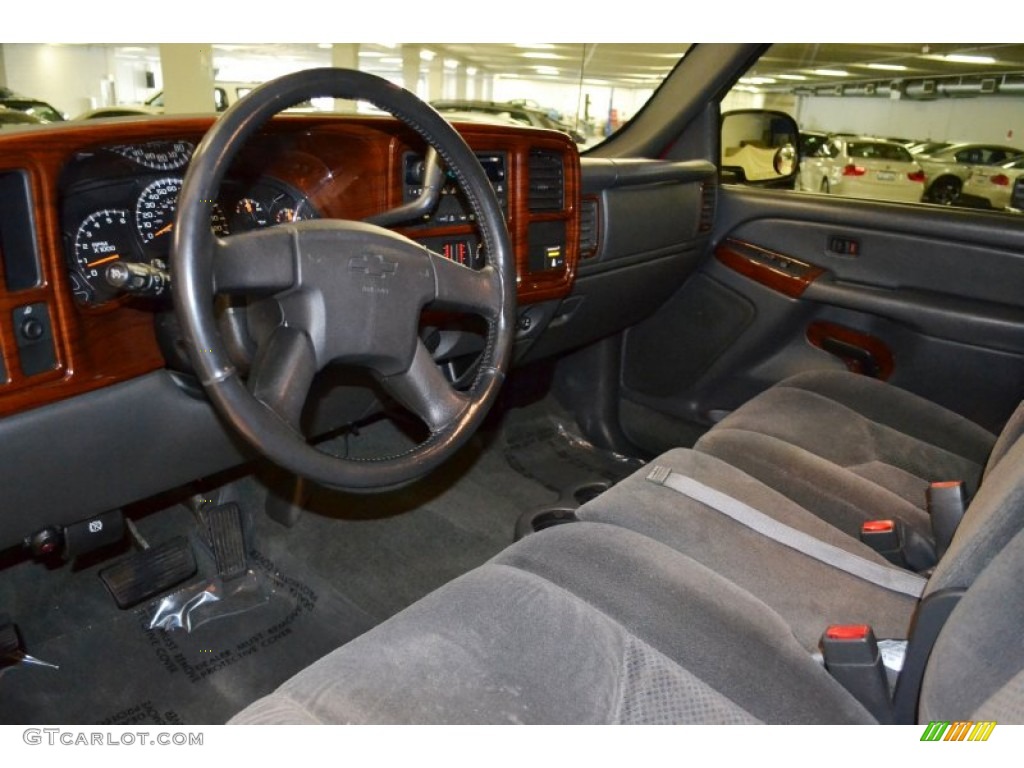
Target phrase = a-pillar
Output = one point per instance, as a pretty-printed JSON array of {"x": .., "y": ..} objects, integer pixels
[
  {"x": 346, "y": 56},
  {"x": 187, "y": 70}
]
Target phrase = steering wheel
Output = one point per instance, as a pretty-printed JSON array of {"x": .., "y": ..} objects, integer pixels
[{"x": 328, "y": 291}]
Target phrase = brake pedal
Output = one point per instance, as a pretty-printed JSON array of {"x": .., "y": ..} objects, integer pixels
[
  {"x": 226, "y": 535},
  {"x": 150, "y": 572}
]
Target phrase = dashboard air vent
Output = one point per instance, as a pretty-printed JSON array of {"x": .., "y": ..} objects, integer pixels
[
  {"x": 708, "y": 198},
  {"x": 547, "y": 183},
  {"x": 588, "y": 227}
]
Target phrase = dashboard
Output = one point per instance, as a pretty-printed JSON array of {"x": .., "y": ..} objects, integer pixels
[
  {"x": 98, "y": 409},
  {"x": 89, "y": 200}
]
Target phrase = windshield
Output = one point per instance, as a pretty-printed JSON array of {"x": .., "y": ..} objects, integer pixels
[{"x": 586, "y": 90}]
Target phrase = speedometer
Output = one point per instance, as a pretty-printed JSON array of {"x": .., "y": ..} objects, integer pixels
[{"x": 155, "y": 209}]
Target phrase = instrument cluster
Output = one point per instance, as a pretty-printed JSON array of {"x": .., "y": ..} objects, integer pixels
[{"x": 119, "y": 206}]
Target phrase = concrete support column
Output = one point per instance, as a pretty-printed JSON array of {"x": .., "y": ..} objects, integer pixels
[
  {"x": 3, "y": 67},
  {"x": 188, "y": 77},
  {"x": 410, "y": 67},
  {"x": 345, "y": 56},
  {"x": 485, "y": 84},
  {"x": 435, "y": 79},
  {"x": 461, "y": 80}
]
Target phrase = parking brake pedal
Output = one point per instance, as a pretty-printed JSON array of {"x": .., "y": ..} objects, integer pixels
[
  {"x": 150, "y": 572},
  {"x": 226, "y": 536}
]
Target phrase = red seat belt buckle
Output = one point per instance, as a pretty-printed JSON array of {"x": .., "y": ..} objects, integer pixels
[
  {"x": 851, "y": 656},
  {"x": 885, "y": 537}
]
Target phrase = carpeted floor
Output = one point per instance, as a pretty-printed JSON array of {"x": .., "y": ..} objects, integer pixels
[{"x": 349, "y": 562}]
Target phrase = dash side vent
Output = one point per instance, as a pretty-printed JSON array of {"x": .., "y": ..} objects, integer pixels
[{"x": 547, "y": 181}]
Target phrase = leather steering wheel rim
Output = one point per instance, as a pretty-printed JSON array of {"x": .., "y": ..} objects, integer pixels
[{"x": 203, "y": 264}]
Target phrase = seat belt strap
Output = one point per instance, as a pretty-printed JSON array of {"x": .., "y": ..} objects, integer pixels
[{"x": 884, "y": 576}]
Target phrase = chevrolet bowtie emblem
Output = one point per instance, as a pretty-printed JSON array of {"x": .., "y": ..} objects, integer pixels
[{"x": 374, "y": 266}]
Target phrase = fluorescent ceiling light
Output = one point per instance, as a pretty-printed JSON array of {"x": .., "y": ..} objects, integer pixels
[
  {"x": 325, "y": 45},
  {"x": 757, "y": 80},
  {"x": 471, "y": 71},
  {"x": 959, "y": 58},
  {"x": 546, "y": 70},
  {"x": 391, "y": 60},
  {"x": 791, "y": 77},
  {"x": 541, "y": 46},
  {"x": 887, "y": 67},
  {"x": 831, "y": 72},
  {"x": 427, "y": 55},
  {"x": 372, "y": 54},
  {"x": 451, "y": 63},
  {"x": 539, "y": 55}
]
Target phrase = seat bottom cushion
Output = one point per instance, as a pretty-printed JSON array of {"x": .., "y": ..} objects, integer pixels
[
  {"x": 850, "y": 448},
  {"x": 583, "y": 623}
]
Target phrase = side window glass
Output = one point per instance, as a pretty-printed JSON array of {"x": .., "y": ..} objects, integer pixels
[{"x": 935, "y": 124}]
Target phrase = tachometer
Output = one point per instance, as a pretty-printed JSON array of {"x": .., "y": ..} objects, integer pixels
[
  {"x": 155, "y": 209},
  {"x": 102, "y": 238}
]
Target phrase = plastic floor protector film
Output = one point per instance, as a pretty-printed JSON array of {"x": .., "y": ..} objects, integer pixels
[{"x": 128, "y": 670}]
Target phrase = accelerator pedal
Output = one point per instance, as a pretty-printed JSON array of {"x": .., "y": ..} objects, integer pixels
[
  {"x": 150, "y": 572},
  {"x": 226, "y": 535}
]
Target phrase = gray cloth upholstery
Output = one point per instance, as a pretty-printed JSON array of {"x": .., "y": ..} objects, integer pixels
[
  {"x": 585, "y": 623},
  {"x": 994, "y": 517},
  {"x": 976, "y": 670},
  {"x": 806, "y": 593},
  {"x": 851, "y": 448},
  {"x": 1007, "y": 437},
  {"x": 656, "y": 608}
]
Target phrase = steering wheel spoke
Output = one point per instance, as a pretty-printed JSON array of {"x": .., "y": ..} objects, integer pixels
[
  {"x": 260, "y": 262},
  {"x": 424, "y": 390},
  {"x": 283, "y": 372},
  {"x": 463, "y": 289}
]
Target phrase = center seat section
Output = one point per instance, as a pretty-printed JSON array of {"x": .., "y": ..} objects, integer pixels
[
  {"x": 851, "y": 448},
  {"x": 806, "y": 592}
]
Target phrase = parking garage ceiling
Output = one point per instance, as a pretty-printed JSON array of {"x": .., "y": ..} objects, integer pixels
[{"x": 786, "y": 67}]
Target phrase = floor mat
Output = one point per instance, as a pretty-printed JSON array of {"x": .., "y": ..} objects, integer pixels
[
  {"x": 350, "y": 562},
  {"x": 544, "y": 445},
  {"x": 235, "y": 642}
]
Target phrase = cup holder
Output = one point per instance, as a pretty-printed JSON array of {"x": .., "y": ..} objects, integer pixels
[
  {"x": 590, "y": 491},
  {"x": 562, "y": 511},
  {"x": 539, "y": 519}
]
